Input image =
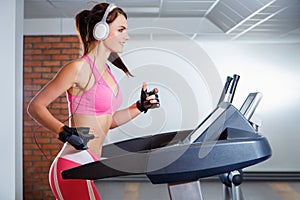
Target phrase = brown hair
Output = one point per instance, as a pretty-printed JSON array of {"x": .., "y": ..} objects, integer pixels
[{"x": 85, "y": 22}]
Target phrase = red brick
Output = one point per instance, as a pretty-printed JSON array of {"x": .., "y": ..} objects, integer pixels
[
  {"x": 61, "y": 45},
  {"x": 32, "y": 75},
  {"x": 32, "y": 51},
  {"x": 32, "y": 63},
  {"x": 41, "y": 164},
  {"x": 41, "y": 57},
  {"x": 32, "y": 158},
  {"x": 42, "y": 45},
  {"x": 44, "y": 140},
  {"x": 42, "y": 69},
  {"x": 51, "y": 39},
  {"x": 70, "y": 39},
  {"x": 51, "y": 51},
  {"x": 49, "y": 146},
  {"x": 70, "y": 51},
  {"x": 32, "y": 39},
  {"x": 61, "y": 57},
  {"x": 51, "y": 63},
  {"x": 59, "y": 105}
]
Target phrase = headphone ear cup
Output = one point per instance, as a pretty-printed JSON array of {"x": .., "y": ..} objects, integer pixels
[{"x": 101, "y": 31}]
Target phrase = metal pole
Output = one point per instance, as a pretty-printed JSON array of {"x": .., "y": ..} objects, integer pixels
[{"x": 186, "y": 191}]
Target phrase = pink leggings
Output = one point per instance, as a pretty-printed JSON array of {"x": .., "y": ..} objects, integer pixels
[{"x": 70, "y": 189}]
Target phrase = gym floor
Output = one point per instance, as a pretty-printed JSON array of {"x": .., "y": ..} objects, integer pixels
[{"x": 211, "y": 190}]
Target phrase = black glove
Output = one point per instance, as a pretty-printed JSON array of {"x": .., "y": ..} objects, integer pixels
[
  {"x": 143, "y": 105},
  {"x": 77, "y": 137}
]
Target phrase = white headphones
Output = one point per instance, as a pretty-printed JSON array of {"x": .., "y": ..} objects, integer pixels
[{"x": 101, "y": 29}]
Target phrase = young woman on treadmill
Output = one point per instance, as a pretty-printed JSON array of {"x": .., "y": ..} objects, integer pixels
[{"x": 94, "y": 98}]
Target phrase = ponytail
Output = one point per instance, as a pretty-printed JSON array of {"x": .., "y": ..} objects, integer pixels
[
  {"x": 115, "y": 59},
  {"x": 81, "y": 23}
]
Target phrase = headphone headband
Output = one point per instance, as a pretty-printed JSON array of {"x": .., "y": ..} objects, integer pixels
[{"x": 109, "y": 8}]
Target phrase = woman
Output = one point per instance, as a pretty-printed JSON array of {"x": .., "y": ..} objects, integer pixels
[{"x": 93, "y": 96}]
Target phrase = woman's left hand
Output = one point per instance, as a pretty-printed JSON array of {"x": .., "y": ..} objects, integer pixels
[{"x": 148, "y": 100}]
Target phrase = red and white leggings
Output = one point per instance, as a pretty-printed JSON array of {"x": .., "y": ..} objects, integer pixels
[{"x": 72, "y": 189}]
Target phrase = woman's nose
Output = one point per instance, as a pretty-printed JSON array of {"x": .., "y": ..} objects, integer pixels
[{"x": 126, "y": 36}]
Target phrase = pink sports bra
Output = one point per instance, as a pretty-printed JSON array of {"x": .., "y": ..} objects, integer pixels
[{"x": 99, "y": 99}]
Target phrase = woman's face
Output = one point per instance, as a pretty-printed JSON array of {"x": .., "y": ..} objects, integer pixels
[{"x": 117, "y": 35}]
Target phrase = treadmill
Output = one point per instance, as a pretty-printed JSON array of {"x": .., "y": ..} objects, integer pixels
[{"x": 223, "y": 144}]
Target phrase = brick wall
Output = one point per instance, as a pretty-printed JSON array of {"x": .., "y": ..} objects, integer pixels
[{"x": 43, "y": 57}]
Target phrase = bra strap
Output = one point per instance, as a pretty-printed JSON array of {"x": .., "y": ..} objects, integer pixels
[{"x": 92, "y": 66}]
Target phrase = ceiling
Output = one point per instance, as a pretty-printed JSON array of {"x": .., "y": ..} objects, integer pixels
[{"x": 231, "y": 19}]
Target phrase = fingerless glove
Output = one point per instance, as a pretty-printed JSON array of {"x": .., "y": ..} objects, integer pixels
[
  {"x": 77, "y": 137},
  {"x": 143, "y": 104}
]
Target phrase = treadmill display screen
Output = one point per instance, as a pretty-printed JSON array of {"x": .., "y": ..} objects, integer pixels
[{"x": 205, "y": 124}]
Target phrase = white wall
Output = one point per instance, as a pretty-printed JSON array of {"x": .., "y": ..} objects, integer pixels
[{"x": 11, "y": 56}]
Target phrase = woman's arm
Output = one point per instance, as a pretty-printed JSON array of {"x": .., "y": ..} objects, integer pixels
[
  {"x": 123, "y": 116},
  {"x": 37, "y": 108}
]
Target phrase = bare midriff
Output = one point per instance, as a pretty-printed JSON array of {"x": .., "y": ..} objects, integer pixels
[{"x": 99, "y": 127}]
